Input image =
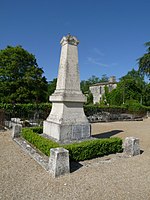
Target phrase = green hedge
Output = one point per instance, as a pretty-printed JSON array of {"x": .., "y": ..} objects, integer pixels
[
  {"x": 38, "y": 130},
  {"x": 94, "y": 148},
  {"x": 134, "y": 107},
  {"x": 94, "y": 108},
  {"x": 77, "y": 151},
  {"x": 43, "y": 144},
  {"x": 131, "y": 107},
  {"x": 29, "y": 110}
]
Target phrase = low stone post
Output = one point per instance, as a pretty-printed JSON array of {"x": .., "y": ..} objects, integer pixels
[
  {"x": 16, "y": 131},
  {"x": 59, "y": 162},
  {"x": 131, "y": 146}
]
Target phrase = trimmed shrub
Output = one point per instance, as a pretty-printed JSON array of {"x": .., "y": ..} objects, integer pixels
[
  {"x": 94, "y": 148},
  {"x": 37, "y": 129},
  {"x": 77, "y": 151},
  {"x": 43, "y": 144}
]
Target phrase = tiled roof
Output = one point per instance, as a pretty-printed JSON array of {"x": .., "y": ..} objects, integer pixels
[{"x": 104, "y": 83}]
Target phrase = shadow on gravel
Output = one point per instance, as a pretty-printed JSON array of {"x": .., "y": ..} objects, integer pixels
[
  {"x": 74, "y": 166},
  {"x": 107, "y": 134},
  {"x": 141, "y": 151}
]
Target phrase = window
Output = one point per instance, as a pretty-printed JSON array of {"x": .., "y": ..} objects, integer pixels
[{"x": 100, "y": 90}]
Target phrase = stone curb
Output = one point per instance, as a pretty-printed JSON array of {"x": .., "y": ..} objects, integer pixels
[{"x": 42, "y": 160}]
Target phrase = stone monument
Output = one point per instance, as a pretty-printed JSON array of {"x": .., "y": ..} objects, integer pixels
[{"x": 67, "y": 120}]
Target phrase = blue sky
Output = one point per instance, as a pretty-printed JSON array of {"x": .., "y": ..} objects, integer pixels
[{"x": 112, "y": 33}]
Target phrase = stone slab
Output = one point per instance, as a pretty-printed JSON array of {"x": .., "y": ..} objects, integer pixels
[{"x": 34, "y": 153}]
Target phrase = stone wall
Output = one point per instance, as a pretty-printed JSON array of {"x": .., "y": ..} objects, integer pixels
[{"x": 106, "y": 117}]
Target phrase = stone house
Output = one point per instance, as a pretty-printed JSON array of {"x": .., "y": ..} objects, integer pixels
[{"x": 98, "y": 89}]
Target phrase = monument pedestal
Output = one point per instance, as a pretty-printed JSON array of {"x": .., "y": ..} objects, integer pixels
[
  {"x": 67, "y": 120},
  {"x": 67, "y": 132}
]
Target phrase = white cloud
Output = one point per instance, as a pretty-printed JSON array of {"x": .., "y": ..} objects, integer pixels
[
  {"x": 97, "y": 58},
  {"x": 99, "y": 52},
  {"x": 96, "y": 61}
]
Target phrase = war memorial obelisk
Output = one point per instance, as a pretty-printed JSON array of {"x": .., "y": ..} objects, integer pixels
[{"x": 67, "y": 121}]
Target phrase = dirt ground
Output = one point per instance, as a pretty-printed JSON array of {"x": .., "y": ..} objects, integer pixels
[
  {"x": 139, "y": 129},
  {"x": 106, "y": 178}
]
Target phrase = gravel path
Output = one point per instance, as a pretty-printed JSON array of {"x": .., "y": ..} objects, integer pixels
[{"x": 107, "y": 178}]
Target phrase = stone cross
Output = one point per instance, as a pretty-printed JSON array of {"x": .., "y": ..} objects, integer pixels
[{"x": 67, "y": 120}]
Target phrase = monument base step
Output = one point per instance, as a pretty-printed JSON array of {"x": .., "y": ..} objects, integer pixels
[{"x": 65, "y": 132}]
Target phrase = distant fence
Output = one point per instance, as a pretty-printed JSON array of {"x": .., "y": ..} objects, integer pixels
[{"x": 33, "y": 118}]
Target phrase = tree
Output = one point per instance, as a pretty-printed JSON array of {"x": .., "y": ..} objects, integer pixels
[
  {"x": 104, "y": 78},
  {"x": 130, "y": 87},
  {"x": 93, "y": 80},
  {"x": 52, "y": 86},
  {"x": 21, "y": 79},
  {"x": 115, "y": 97},
  {"x": 144, "y": 61},
  {"x": 146, "y": 95}
]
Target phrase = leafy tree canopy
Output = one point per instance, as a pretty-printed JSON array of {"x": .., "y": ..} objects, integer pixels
[
  {"x": 21, "y": 79},
  {"x": 144, "y": 61},
  {"x": 52, "y": 86},
  {"x": 131, "y": 86},
  {"x": 146, "y": 95}
]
